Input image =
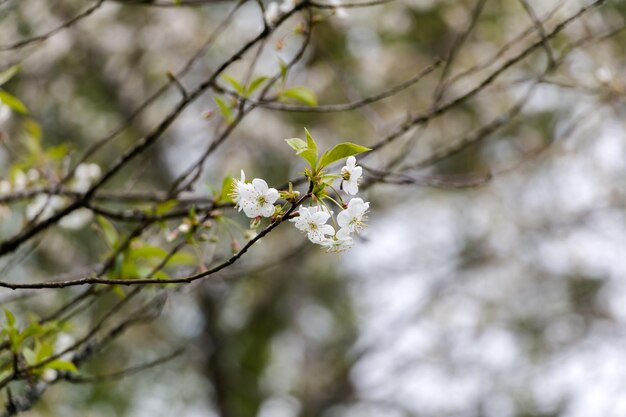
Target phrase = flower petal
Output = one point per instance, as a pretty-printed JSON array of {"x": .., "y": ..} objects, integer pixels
[
  {"x": 267, "y": 210},
  {"x": 260, "y": 185},
  {"x": 271, "y": 195}
]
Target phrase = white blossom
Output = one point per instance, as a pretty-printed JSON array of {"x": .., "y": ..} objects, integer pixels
[
  {"x": 342, "y": 241},
  {"x": 287, "y": 5},
  {"x": 20, "y": 181},
  {"x": 351, "y": 174},
  {"x": 340, "y": 12},
  {"x": 43, "y": 206},
  {"x": 241, "y": 191},
  {"x": 272, "y": 13},
  {"x": 255, "y": 199},
  {"x": 353, "y": 218},
  {"x": 76, "y": 219},
  {"x": 313, "y": 220},
  {"x": 84, "y": 176}
]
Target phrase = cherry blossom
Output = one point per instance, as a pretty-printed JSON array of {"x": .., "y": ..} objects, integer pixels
[
  {"x": 351, "y": 174},
  {"x": 255, "y": 199},
  {"x": 353, "y": 218},
  {"x": 43, "y": 206},
  {"x": 312, "y": 220},
  {"x": 84, "y": 176},
  {"x": 342, "y": 241}
]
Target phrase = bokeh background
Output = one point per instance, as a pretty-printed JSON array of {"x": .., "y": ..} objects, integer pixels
[{"x": 503, "y": 299}]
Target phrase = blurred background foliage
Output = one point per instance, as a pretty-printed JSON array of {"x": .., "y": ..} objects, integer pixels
[{"x": 501, "y": 300}]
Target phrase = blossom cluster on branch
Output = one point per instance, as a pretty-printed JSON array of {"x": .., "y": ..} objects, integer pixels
[{"x": 256, "y": 199}]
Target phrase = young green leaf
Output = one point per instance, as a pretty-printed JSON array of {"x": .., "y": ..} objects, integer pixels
[
  {"x": 256, "y": 83},
  {"x": 225, "y": 109},
  {"x": 182, "y": 258},
  {"x": 165, "y": 207},
  {"x": 148, "y": 252},
  {"x": 283, "y": 70},
  {"x": 10, "y": 318},
  {"x": 13, "y": 102},
  {"x": 340, "y": 151},
  {"x": 30, "y": 356},
  {"x": 236, "y": 85},
  {"x": 110, "y": 233},
  {"x": 7, "y": 74},
  {"x": 62, "y": 365},
  {"x": 309, "y": 155},
  {"x": 310, "y": 142},
  {"x": 296, "y": 143},
  {"x": 228, "y": 185},
  {"x": 302, "y": 94}
]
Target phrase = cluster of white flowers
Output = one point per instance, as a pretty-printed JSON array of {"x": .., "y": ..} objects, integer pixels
[
  {"x": 20, "y": 182},
  {"x": 44, "y": 206},
  {"x": 256, "y": 198},
  {"x": 312, "y": 221},
  {"x": 351, "y": 219}
]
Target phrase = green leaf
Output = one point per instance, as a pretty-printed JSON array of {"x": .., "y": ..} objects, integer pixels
[
  {"x": 10, "y": 318},
  {"x": 165, "y": 207},
  {"x": 7, "y": 74},
  {"x": 309, "y": 155},
  {"x": 310, "y": 142},
  {"x": 283, "y": 70},
  {"x": 225, "y": 109},
  {"x": 110, "y": 233},
  {"x": 43, "y": 350},
  {"x": 62, "y": 365},
  {"x": 33, "y": 128},
  {"x": 30, "y": 356},
  {"x": 256, "y": 83},
  {"x": 228, "y": 184},
  {"x": 148, "y": 252},
  {"x": 296, "y": 143},
  {"x": 340, "y": 151},
  {"x": 302, "y": 94},
  {"x": 236, "y": 85},
  {"x": 58, "y": 152},
  {"x": 182, "y": 258},
  {"x": 13, "y": 102}
]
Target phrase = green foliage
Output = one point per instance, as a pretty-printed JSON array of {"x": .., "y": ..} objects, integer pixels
[
  {"x": 256, "y": 83},
  {"x": 301, "y": 94},
  {"x": 111, "y": 236},
  {"x": 235, "y": 84},
  {"x": 7, "y": 74},
  {"x": 225, "y": 195},
  {"x": 341, "y": 151},
  {"x": 308, "y": 150},
  {"x": 13, "y": 102},
  {"x": 225, "y": 109}
]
